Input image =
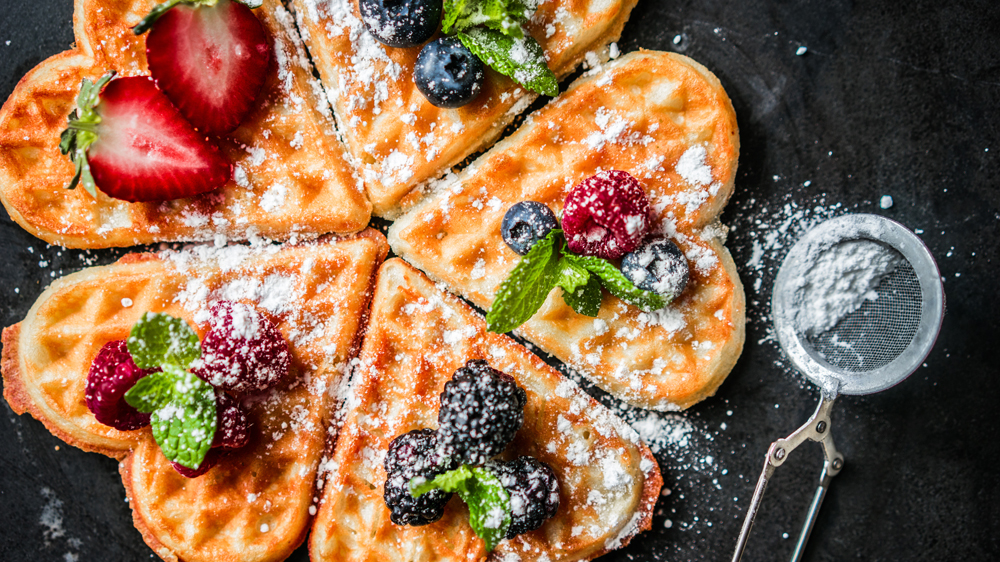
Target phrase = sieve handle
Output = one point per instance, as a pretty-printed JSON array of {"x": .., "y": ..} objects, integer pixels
[{"x": 816, "y": 429}]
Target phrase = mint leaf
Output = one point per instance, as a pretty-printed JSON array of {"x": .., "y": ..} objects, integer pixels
[
  {"x": 585, "y": 300},
  {"x": 504, "y": 16},
  {"x": 520, "y": 58},
  {"x": 571, "y": 275},
  {"x": 482, "y": 491},
  {"x": 527, "y": 286},
  {"x": 160, "y": 339},
  {"x": 153, "y": 391},
  {"x": 185, "y": 426},
  {"x": 617, "y": 284}
]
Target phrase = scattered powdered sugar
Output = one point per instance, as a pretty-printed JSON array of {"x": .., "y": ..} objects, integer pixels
[
  {"x": 692, "y": 166},
  {"x": 838, "y": 281}
]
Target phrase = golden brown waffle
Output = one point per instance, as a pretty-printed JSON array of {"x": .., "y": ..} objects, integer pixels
[
  {"x": 641, "y": 114},
  {"x": 398, "y": 139},
  {"x": 291, "y": 174},
  {"x": 255, "y": 504},
  {"x": 417, "y": 336}
]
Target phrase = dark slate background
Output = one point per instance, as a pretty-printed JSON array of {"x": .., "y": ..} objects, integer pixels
[{"x": 890, "y": 98}]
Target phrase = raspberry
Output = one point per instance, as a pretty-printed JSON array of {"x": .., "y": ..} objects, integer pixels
[
  {"x": 232, "y": 428},
  {"x": 207, "y": 463},
  {"x": 481, "y": 410},
  {"x": 243, "y": 352},
  {"x": 410, "y": 455},
  {"x": 605, "y": 215},
  {"x": 533, "y": 490},
  {"x": 111, "y": 375}
]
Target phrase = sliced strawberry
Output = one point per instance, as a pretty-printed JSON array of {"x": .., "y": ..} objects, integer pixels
[
  {"x": 130, "y": 141},
  {"x": 210, "y": 59}
]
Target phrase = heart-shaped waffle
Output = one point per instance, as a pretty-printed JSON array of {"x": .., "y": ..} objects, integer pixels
[
  {"x": 666, "y": 120},
  {"x": 291, "y": 173},
  {"x": 398, "y": 139},
  {"x": 255, "y": 503},
  {"x": 417, "y": 336}
]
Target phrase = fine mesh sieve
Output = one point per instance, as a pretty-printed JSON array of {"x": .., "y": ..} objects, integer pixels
[{"x": 867, "y": 350}]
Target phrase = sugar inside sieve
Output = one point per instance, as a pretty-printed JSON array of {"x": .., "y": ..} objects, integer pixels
[{"x": 857, "y": 306}]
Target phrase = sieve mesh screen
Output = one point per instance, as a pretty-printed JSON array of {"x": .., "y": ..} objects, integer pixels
[{"x": 878, "y": 332}]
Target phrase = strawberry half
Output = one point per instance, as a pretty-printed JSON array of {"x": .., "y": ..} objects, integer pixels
[
  {"x": 210, "y": 57},
  {"x": 130, "y": 141}
]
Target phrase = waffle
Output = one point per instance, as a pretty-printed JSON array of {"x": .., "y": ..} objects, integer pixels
[
  {"x": 291, "y": 173},
  {"x": 255, "y": 504},
  {"x": 399, "y": 139},
  {"x": 416, "y": 337},
  {"x": 642, "y": 114}
]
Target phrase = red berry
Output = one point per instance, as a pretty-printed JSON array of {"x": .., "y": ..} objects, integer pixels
[
  {"x": 243, "y": 352},
  {"x": 111, "y": 375},
  {"x": 211, "y": 61},
  {"x": 606, "y": 215},
  {"x": 207, "y": 463},
  {"x": 144, "y": 149},
  {"x": 232, "y": 429}
]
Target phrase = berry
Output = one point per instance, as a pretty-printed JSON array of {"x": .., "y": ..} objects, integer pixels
[
  {"x": 411, "y": 455},
  {"x": 526, "y": 223},
  {"x": 401, "y": 23},
  {"x": 605, "y": 215},
  {"x": 232, "y": 428},
  {"x": 447, "y": 73},
  {"x": 111, "y": 375},
  {"x": 533, "y": 490},
  {"x": 481, "y": 410},
  {"x": 658, "y": 266},
  {"x": 211, "y": 61},
  {"x": 243, "y": 352},
  {"x": 207, "y": 463},
  {"x": 138, "y": 146}
]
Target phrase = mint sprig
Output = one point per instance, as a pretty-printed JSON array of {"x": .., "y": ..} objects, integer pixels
[
  {"x": 482, "y": 491},
  {"x": 549, "y": 264},
  {"x": 494, "y": 31},
  {"x": 182, "y": 404}
]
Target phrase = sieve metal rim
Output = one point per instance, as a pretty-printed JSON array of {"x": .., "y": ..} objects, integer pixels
[{"x": 833, "y": 379}]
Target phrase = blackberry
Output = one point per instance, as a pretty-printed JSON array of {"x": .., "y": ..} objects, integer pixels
[
  {"x": 533, "y": 489},
  {"x": 410, "y": 455},
  {"x": 481, "y": 410}
]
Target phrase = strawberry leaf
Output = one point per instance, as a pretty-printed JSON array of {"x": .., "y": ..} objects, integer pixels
[{"x": 527, "y": 286}]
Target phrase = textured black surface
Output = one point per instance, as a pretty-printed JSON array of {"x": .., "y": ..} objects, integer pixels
[{"x": 890, "y": 98}]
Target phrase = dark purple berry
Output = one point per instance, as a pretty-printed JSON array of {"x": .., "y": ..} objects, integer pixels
[
  {"x": 447, "y": 73},
  {"x": 401, "y": 23},
  {"x": 111, "y": 375},
  {"x": 481, "y": 410},
  {"x": 243, "y": 352},
  {"x": 525, "y": 224},
  {"x": 411, "y": 455},
  {"x": 658, "y": 266},
  {"x": 206, "y": 464},
  {"x": 232, "y": 429},
  {"x": 606, "y": 215},
  {"x": 533, "y": 490}
]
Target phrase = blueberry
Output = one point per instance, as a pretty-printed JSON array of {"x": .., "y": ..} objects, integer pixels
[
  {"x": 401, "y": 23},
  {"x": 658, "y": 266},
  {"x": 447, "y": 73},
  {"x": 525, "y": 224}
]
